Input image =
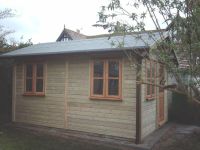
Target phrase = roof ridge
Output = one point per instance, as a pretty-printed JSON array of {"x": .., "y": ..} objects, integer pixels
[
  {"x": 75, "y": 32},
  {"x": 87, "y": 39},
  {"x": 128, "y": 33}
]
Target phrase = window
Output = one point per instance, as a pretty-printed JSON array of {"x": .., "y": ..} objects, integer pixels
[
  {"x": 150, "y": 79},
  {"x": 106, "y": 79},
  {"x": 65, "y": 38},
  {"x": 34, "y": 79}
]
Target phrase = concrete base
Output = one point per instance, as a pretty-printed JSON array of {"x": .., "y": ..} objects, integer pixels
[{"x": 110, "y": 141}]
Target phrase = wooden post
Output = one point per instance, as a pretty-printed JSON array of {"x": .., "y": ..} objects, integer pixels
[
  {"x": 66, "y": 95},
  {"x": 13, "y": 92},
  {"x": 138, "y": 105}
]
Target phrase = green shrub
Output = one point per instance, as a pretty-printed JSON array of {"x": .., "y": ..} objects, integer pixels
[{"x": 184, "y": 111}]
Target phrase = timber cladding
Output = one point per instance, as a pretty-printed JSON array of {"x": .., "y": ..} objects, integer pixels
[
  {"x": 48, "y": 110},
  {"x": 150, "y": 108},
  {"x": 67, "y": 104}
]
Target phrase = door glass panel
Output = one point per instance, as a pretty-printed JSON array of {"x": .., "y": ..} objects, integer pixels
[
  {"x": 153, "y": 89},
  {"x": 148, "y": 89},
  {"x": 148, "y": 67},
  {"x": 149, "y": 86}
]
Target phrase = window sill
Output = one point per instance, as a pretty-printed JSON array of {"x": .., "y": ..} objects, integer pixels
[
  {"x": 106, "y": 98},
  {"x": 150, "y": 98},
  {"x": 34, "y": 94}
]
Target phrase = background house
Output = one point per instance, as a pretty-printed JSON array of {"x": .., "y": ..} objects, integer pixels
[{"x": 68, "y": 34}]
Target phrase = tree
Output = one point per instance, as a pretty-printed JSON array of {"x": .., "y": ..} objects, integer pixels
[
  {"x": 4, "y": 44},
  {"x": 181, "y": 18},
  {"x": 5, "y": 47},
  {"x": 6, "y": 13}
]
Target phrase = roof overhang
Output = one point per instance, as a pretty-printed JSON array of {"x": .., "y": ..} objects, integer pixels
[{"x": 97, "y": 51}]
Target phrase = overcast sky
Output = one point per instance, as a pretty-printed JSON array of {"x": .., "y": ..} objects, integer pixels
[{"x": 43, "y": 20}]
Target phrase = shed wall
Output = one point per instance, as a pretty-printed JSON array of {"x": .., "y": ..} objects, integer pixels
[
  {"x": 47, "y": 110},
  {"x": 66, "y": 103},
  {"x": 149, "y": 119}
]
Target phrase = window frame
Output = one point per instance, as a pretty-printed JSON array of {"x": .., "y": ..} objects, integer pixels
[
  {"x": 34, "y": 80},
  {"x": 105, "y": 95},
  {"x": 152, "y": 95}
]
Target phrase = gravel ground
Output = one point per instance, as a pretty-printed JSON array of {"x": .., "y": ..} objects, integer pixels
[
  {"x": 180, "y": 137},
  {"x": 175, "y": 137}
]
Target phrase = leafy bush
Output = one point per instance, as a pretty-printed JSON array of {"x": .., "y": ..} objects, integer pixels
[{"x": 184, "y": 111}]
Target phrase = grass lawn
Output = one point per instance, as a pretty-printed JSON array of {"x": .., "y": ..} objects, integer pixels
[{"x": 15, "y": 139}]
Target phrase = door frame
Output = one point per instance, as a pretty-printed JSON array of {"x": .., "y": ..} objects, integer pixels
[{"x": 161, "y": 96}]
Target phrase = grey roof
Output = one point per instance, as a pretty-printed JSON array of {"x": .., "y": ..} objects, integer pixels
[{"x": 88, "y": 45}]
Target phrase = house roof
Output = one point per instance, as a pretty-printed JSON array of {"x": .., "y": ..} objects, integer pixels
[
  {"x": 100, "y": 44},
  {"x": 71, "y": 34}
]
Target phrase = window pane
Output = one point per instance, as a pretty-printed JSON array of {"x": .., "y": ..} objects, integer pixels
[
  {"x": 29, "y": 70},
  {"x": 153, "y": 70},
  {"x": 98, "y": 86},
  {"x": 113, "y": 85},
  {"x": 29, "y": 85},
  {"x": 148, "y": 69},
  {"x": 148, "y": 89},
  {"x": 149, "y": 86},
  {"x": 153, "y": 82},
  {"x": 153, "y": 77},
  {"x": 113, "y": 69},
  {"x": 153, "y": 90},
  {"x": 40, "y": 69},
  {"x": 39, "y": 85},
  {"x": 148, "y": 73},
  {"x": 98, "y": 69}
]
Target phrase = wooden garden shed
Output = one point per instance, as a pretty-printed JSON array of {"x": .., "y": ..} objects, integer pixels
[{"x": 90, "y": 85}]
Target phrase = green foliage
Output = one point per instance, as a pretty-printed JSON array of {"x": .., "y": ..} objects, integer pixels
[
  {"x": 24, "y": 44},
  {"x": 6, "y": 46},
  {"x": 184, "y": 111},
  {"x": 6, "y": 13}
]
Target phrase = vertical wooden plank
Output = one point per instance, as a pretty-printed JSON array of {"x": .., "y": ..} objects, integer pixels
[
  {"x": 13, "y": 92},
  {"x": 105, "y": 78},
  {"x": 45, "y": 77},
  {"x": 23, "y": 77},
  {"x": 66, "y": 95},
  {"x": 166, "y": 97},
  {"x": 138, "y": 105},
  {"x": 161, "y": 96},
  {"x": 157, "y": 94},
  {"x": 91, "y": 67},
  {"x": 120, "y": 79}
]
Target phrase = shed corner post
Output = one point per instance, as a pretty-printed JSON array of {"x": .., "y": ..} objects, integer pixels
[
  {"x": 13, "y": 92},
  {"x": 138, "y": 103}
]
